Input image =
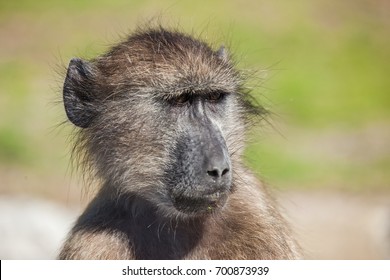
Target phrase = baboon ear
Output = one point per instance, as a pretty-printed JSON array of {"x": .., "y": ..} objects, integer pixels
[
  {"x": 78, "y": 92},
  {"x": 223, "y": 54}
]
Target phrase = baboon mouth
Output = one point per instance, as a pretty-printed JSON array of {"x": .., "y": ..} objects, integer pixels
[{"x": 200, "y": 205}]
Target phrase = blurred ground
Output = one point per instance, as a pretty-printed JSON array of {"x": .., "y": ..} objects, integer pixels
[
  {"x": 323, "y": 70},
  {"x": 333, "y": 225},
  {"x": 32, "y": 228}
]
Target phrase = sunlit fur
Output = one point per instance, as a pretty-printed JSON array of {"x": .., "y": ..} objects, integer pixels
[{"x": 130, "y": 128}]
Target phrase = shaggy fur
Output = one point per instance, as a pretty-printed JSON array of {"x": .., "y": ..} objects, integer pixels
[{"x": 151, "y": 111}]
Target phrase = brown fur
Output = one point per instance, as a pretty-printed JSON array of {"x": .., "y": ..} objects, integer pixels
[{"x": 130, "y": 139}]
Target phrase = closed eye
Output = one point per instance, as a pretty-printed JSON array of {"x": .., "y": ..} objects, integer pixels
[
  {"x": 181, "y": 99},
  {"x": 215, "y": 96},
  {"x": 187, "y": 97}
]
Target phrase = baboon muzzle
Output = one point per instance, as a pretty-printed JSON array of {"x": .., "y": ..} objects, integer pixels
[{"x": 202, "y": 170}]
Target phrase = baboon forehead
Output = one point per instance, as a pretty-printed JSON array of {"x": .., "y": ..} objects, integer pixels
[{"x": 169, "y": 61}]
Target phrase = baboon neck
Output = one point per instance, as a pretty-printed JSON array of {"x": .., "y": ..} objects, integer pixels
[{"x": 155, "y": 236}]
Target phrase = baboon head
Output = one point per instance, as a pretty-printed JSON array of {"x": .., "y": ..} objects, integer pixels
[{"x": 161, "y": 117}]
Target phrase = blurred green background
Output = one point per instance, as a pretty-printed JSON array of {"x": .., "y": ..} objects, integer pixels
[{"x": 322, "y": 69}]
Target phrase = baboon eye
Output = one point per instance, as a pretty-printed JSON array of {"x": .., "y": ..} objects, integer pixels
[
  {"x": 215, "y": 96},
  {"x": 181, "y": 99}
]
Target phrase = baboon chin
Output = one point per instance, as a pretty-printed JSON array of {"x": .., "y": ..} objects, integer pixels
[{"x": 162, "y": 121}]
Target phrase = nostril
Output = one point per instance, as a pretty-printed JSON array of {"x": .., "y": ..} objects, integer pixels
[
  {"x": 226, "y": 170},
  {"x": 216, "y": 173},
  {"x": 213, "y": 173}
]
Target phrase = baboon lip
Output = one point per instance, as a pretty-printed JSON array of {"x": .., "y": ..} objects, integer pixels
[{"x": 200, "y": 204}]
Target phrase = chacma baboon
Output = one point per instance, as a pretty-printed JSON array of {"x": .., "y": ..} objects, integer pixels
[{"x": 162, "y": 120}]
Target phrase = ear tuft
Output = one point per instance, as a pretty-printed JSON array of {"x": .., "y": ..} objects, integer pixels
[{"x": 78, "y": 92}]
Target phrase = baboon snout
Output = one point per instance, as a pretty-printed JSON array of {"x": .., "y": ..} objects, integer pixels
[
  {"x": 218, "y": 166},
  {"x": 201, "y": 176}
]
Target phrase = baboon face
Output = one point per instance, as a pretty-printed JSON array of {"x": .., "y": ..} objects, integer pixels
[{"x": 161, "y": 117}]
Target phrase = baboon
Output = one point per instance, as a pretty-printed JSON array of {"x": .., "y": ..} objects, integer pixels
[{"x": 162, "y": 121}]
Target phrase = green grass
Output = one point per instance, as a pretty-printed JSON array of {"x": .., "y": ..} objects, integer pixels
[
  {"x": 327, "y": 66},
  {"x": 13, "y": 148}
]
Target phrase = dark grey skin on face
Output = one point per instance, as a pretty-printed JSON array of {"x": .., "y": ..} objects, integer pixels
[
  {"x": 201, "y": 174},
  {"x": 162, "y": 120}
]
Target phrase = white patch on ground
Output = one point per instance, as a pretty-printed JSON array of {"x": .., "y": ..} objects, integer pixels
[{"x": 32, "y": 228}]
